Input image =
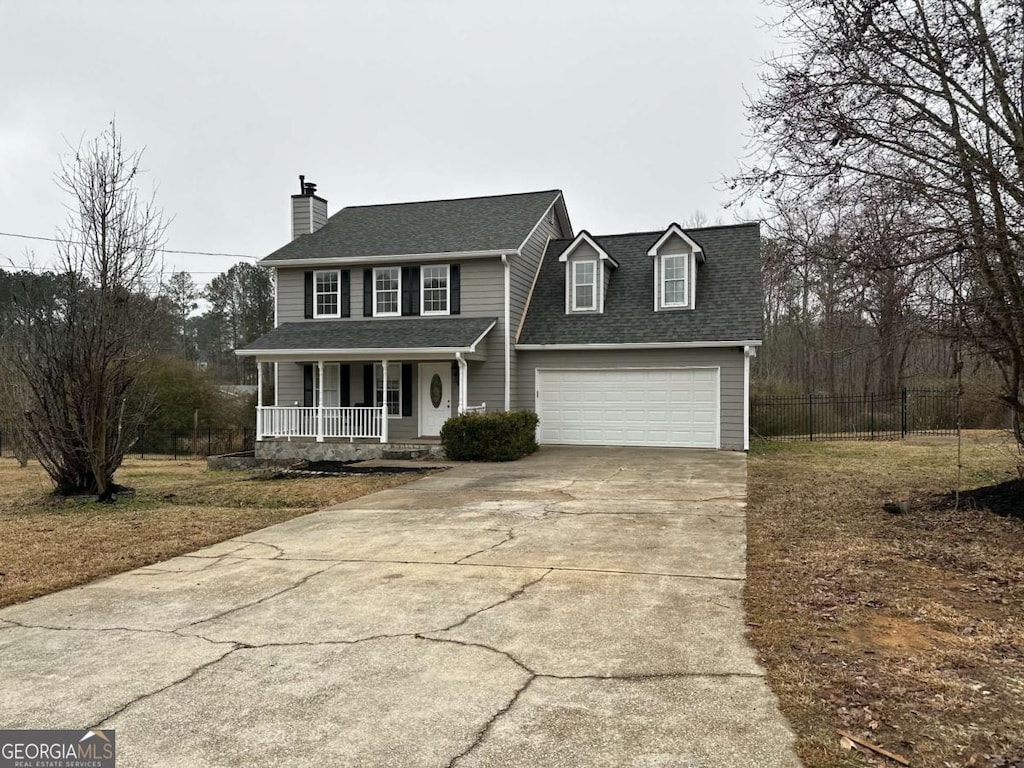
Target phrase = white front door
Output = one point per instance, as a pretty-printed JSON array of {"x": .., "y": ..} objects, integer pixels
[{"x": 435, "y": 397}]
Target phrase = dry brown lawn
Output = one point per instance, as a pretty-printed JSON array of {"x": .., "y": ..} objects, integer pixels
[
  {"x": 48, "y": 543},
  {"x": 906, "y": 630}
]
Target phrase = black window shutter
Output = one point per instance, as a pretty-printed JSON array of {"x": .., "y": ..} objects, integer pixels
[
  {"x": 367, "y": 293},
  {"x": 346, "y": 293},
  {"x": 410, "y": 290},
  {"x": 307, "y": 384},
  {"x": 345, "y": 373},
  {"x": 309, "y": 295},
  {"x": 368, "y": 385},
  {"x": 456, "y": 290},
  {"x": 406, "y": 389}
]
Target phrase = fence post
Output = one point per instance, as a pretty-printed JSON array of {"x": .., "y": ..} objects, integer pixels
[
  {"x": 174, "y": 450},
  {"x": 209, "y": 440},
  {"x": 142, "y": 443},
  {"x": 810, "y": 416},
  {"x": 903, "y": 412},
  {"x": 872, "y": 415}
]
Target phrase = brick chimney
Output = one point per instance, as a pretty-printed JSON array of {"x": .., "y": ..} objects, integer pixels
[{"x": 309, "y": 210}]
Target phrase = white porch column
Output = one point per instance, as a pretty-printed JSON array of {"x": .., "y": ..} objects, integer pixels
[
  {"x": 384, "y": 401},
  {"x": 463, "y": 382},
  {"x": 320, "y": 402},
  {"x": 259, "y": 399}
]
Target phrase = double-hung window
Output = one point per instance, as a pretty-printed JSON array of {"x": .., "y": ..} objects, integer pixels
[
  {"x": 390, "y": 390},
  {"x": 327, "y": 293},
  {"x": 584, "y": 285},
  {"x": 387, "y": 283},
  {"x": 435, "y": 289},
  {"x": 674, "y": 287}
]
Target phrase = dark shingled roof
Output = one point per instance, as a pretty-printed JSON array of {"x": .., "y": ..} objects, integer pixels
[
  {"x": 728, "y": 306},
  {"x": 397, "y": 333},
  {"x": 494, "y": 223}
]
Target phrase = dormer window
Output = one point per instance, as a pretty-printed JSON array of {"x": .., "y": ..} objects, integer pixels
[
  {"x": 584, "y": 285},
  {"x": 587, "y": 270},
  {"x": 674, "y": 290},
  {"x": 676, "y": 256}
]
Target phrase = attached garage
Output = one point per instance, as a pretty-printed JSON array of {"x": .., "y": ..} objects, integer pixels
[{"x": 665, "y": 407}]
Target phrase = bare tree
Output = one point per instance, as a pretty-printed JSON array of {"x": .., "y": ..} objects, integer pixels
[
  {"x": 924, "y": 98},
  {"x": 79, "y": 353}
]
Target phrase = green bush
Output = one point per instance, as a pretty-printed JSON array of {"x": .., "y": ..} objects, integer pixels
[{"x": 490, "y": 436}]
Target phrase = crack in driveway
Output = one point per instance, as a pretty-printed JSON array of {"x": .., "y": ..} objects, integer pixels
[{"x": 195, "y": 671}]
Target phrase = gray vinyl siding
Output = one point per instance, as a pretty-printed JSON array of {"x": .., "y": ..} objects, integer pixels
[
  {"x": 483, "y": 295},
  {"x": 308, "y": 215},
  {"x": 319, "y": 213},
  {"x": 728, "y": 359},
  {"x": 482, "y": 284},
  {"x": 300, "y": 216},
  {"x": 291, "y": 295},
  {"x": 522, "y": 273},
  {"x": 289, "y": 383}
]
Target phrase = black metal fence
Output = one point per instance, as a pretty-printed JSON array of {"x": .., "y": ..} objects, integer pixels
[
  {"x": 174, "y": 445},
  {"x": 858, "y": 417}
]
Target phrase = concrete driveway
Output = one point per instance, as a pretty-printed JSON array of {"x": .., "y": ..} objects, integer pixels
[{"x": 581, "y": 607}]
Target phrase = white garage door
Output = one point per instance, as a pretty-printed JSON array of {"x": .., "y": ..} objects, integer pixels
[{"x": 629, "y": 406}]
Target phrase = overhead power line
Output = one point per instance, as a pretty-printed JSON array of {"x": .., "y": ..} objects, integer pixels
[
  {"x": 159, "y": 250},
  {"x": 37, "y": 268}
]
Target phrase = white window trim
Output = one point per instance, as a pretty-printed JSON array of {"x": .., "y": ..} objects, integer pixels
[
  {"x": 316, "y": 305},
  {"x": 377, "y": 370},
  {"x": 448, "y": 290},
  {"x": 593, "y": 286},
  {"x": 398, "y": 311},
  {"x": 685, "y": 304}
]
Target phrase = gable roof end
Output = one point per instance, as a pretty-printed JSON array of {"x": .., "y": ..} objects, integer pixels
[
  {"x": 585, "y": 237},
  {"x": 675, "y": 229}
]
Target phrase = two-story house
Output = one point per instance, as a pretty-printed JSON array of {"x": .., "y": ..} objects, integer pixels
[{"x": 392, "y": 318}]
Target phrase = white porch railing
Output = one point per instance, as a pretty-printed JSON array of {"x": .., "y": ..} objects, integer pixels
[{"x": 295, "y": 421}]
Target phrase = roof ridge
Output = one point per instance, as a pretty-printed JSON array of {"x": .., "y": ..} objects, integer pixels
[
  {"x": 453, "y": 199},
  {"x": 685, "y": 229},
  {"x": 656, "y": 232}
]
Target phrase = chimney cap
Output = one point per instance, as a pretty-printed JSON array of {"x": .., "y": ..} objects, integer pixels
[{"x": 306, "y": 188}]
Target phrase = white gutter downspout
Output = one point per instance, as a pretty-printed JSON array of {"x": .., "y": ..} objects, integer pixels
[
  {"x": 748, "y": 352},
  {"x": 508, "y": 336}
]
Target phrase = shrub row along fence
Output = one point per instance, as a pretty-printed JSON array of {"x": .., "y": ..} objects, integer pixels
[
  {"x": 174, "y": 445},
  {"x": 860, "y": 417}
]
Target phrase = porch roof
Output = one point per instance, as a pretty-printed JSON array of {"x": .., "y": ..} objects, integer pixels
[{"x": 414, "y": 337}]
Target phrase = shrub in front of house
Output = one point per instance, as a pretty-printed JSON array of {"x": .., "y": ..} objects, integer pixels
[{"x": 490, "y": 436}]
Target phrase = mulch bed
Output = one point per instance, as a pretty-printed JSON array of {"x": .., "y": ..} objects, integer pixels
[{"x": 336, "y": 469}]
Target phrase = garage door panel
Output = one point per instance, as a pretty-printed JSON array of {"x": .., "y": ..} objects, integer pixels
[{"x": 665, "y": 406}]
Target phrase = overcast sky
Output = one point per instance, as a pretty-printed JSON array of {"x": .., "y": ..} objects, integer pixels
[{"x": 633, "y": 108}]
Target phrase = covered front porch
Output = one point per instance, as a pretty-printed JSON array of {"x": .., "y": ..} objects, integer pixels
[{"x": 401, "y": 392}]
